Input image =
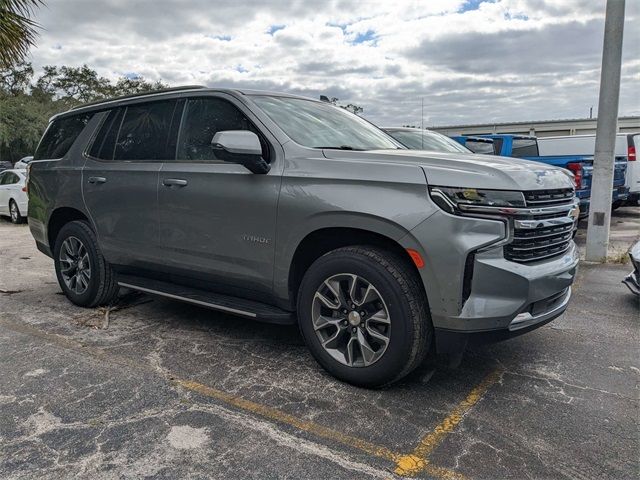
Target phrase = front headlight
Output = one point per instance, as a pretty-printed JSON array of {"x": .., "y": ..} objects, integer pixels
[{"x": 458, "y": 200}]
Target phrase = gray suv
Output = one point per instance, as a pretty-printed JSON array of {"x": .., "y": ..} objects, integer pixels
[{"x": 289, "y": 210}]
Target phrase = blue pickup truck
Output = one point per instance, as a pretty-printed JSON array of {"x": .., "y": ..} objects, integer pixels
[{"x": 526, "y": 147}]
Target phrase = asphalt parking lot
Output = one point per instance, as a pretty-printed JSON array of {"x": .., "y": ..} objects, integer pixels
[{"x": 168, "y": 390}]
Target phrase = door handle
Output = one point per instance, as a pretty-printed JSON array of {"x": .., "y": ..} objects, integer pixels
[
  {"x": 179, "y": 182},
  {"x": 97, "y": 180}
]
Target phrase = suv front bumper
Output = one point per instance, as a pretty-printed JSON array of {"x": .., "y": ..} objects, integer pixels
[
  {"x": 475, "y": 294},
  {"x": 508, "y": 299}
]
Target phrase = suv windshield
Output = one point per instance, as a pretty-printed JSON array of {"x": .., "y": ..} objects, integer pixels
[
  {"x": 322, "y": 125},
  {"x": 421, "y": 140}
]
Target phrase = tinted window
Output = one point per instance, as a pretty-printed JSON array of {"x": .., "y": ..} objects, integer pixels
[
  {"x": 147, "y": 132},
  {"x": 105, "y": 141},
  {"x": 476, "y": 146},
  {"x": 9, "y": 178},
  {"x": 60, "y": 136},
  {"x": 524, "y": 147},
  {"x": 203, "y": 118}
]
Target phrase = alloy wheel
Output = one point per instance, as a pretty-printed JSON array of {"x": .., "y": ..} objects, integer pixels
[
  {"x": 15, "y": 214},
  {"x": 351, "y": 320},
  {"x": 75, "y": 267}
]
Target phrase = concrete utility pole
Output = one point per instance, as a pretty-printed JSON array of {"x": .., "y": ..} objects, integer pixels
[{"x": 603, "y": 162}]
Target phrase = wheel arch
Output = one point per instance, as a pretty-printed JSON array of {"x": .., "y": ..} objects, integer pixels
[
  {"x": 58, "y": 219},
  {"x": 323, "y": 240}
]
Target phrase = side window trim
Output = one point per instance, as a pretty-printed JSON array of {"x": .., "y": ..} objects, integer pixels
[
  {"x": 182, "y": 104},
  {"x": 125, "y": 109}
]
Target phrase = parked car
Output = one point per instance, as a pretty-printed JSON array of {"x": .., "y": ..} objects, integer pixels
[
  {"x": 581, "y": 166},
  {"x": 23, "y": 162},
  {"x": 625, "y": 149},
  {"x": 476, "y": 144},
  {"x": 5, "y": 165},
  {"x": 421, "y": 139},
  {"x": 289, "y": 210},
  {"x": 13, "y": 195},
  {"x": 632, "y": 281}
]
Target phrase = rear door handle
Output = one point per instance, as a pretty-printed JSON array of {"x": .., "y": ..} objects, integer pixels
[
  {"x": 179, "y": 182},
  {"x": 97, "y": 180}
]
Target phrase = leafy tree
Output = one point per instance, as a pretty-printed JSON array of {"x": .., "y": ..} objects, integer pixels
[
  {"x": 17, "y": 30},
  {"x": 353, "y": 108},
  {"x": 133, "y": 85},
  {"x": 26, "y": 105},
  {"x": 16, "y": 80},
  {"x": 350, "y": 107},
  {"x": 79, "y": 83}
]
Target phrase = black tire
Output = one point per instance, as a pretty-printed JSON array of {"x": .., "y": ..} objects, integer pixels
[
  {"x": 15, "y": 215},
  {"x": 401, "y": 290},
  {"x": 102, "y": 288}
]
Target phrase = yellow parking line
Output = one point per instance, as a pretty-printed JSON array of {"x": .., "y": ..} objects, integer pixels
[
  {"x": 315, "y": 429},
  {"x": 277, "y": 415},
  {"x": 405, "y": 464},
  {"x": 417, "y": 461}
]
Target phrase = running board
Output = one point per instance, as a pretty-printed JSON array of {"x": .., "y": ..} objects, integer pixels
[{"x": 215, "y": 301}]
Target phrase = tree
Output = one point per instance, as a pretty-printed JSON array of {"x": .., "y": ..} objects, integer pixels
[
  {"x": 17, "y": 30},
  {"x": 78, "y": 83},
  {"x": 137, "y": 84},
  {"x": 26, "y": 105},
  {"x": 350, "y": 107},
  {"x": 17, "y": 79}
]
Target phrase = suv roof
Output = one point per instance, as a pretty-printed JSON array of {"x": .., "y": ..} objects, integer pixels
[{"x": 97, "y": 105}]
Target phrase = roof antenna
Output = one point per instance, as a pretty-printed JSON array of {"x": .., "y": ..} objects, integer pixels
[{"x": 324, "y": 98}]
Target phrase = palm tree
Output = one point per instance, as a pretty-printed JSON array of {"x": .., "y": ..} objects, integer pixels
[{"x": 17, "y": 30}]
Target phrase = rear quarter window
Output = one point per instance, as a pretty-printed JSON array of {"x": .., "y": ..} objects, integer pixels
[
  {"x": 485, "y": 148},
  {"x": 60, "y": 135},
  {"x": 524, "y": 147}
]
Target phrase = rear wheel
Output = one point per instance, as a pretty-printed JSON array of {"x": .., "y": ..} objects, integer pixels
[
  {"x": 364, "y": 315},
  {"x": 84, "y": 275},
  {"x": 14, "y": 212}
]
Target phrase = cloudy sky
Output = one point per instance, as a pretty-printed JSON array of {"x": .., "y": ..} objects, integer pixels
[{"x": 470, "y": 60}]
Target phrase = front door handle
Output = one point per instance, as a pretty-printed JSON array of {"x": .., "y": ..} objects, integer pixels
[
  {"x": 97, "y": 180},
  {"x": 179, "y": 182}
]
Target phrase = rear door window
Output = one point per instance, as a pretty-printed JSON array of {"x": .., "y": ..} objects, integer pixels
[
  {"x": 524, "y": 147},
  {"x": 60, "y": 135},
  {"x": 149, "y": 131}
]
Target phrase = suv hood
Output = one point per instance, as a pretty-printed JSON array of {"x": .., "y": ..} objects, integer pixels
[{"x": 467, "y": 170}]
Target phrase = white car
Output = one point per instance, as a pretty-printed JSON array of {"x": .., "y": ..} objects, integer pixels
[
  {"x": 13, "y": 195},
  {"x": 23, "y": 162},
  {"x": 627, "y": 145}
]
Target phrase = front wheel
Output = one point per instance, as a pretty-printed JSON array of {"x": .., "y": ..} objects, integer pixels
[
  {"x": 364, "y": 315},
  {"x": 84, "y": 275}
]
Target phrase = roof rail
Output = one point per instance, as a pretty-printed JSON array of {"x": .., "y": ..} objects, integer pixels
[{"x": 142, "y": 94}]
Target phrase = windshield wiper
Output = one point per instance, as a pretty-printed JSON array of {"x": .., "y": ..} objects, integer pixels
[{"x": 341, "y": 147}]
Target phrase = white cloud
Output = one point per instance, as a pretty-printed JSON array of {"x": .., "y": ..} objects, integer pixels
[{"x": 470, "y": 61}]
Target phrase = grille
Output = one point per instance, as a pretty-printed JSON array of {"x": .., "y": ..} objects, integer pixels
[
  {"x": 549, "y": 233},
  {"x": 548, "y": 197}
]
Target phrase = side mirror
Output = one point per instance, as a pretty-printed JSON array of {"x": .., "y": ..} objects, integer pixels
[{"x": 243, "y": 147}]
